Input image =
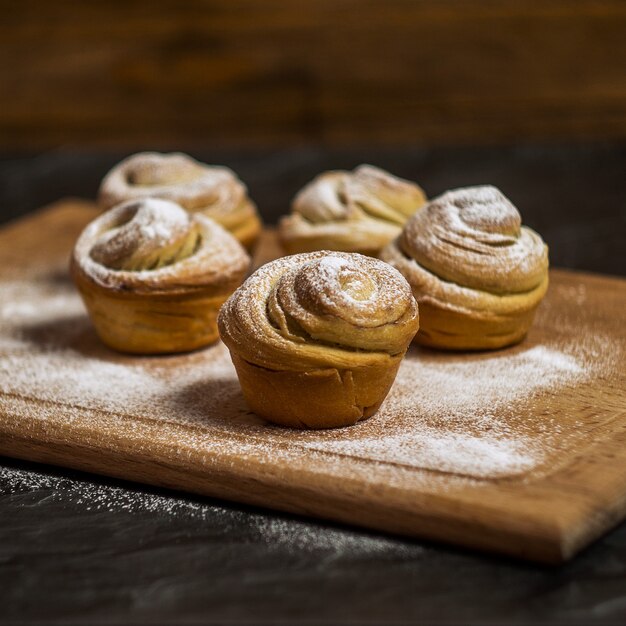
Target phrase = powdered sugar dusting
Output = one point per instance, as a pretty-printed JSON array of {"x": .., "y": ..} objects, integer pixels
[
  {"x": 278, "y": 532},
  {"x": 333, "y": 263},
  {"x": 341, "y": 279},
  {"x": 346, "y": 277},
  {"x": 147, "y": 226},
  {"x": 449, "y": 414},
  {"x": 456, "y": 453},
  {"x": 468, "y": 415},
  {"x": 472, "y": 239}
]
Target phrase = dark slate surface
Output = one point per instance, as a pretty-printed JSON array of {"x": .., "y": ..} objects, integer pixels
[{"x": 77, "y": 548}]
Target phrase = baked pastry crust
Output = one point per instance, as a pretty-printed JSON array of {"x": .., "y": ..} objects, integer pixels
[
  {"x": 153, "y": 276},
  {"x": 358, "y": 211},
  {"x": 317, "y": 338},
  {"x": 477, "y": 273},
  {"x": 214, "y": 191}
]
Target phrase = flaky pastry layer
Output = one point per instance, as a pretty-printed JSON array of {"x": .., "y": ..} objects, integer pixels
[
  {"x": 214, "y": 191},
  {"x": 359, "y": 211},
  {"x": 154, "y": 276},
  {"x": 317, "y": 338},
  {"x": 477, "y": 273}
]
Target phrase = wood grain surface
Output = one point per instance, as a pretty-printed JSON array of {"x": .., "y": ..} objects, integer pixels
[
  {"x": 206, "y": 71},
  {"x": 547, "y": 513}
]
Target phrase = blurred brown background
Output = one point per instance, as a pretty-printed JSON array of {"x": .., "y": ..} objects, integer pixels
[
  {"x": 333, "y": 71},
  {"x": 527, "y": 95}
]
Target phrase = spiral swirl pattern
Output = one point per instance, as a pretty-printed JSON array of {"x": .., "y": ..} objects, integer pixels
[
  {"x": 213, "y": 191},
  {"x": 159, "y": 233},
  {"x": 154, "y": 245},
  {"x": 468, "y": 254},
  {"x": 350, "y": 211},
  {"x": 320, "y": 309},
  {"x": 153, "y": 277},
  {"x": 474, "y": 237}
]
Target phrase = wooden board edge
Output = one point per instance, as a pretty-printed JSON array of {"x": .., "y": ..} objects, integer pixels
[
  {"x": 169, "y": 478},
  {"x": 602, "y": 504},
  {"x": 402, "y": 511}
]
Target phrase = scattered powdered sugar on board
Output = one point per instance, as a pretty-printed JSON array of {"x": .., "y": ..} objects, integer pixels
[
  {"x": 486, "y": 382},
  {"x": 459, "y": 414},
  {"x": 277, "y": 532},
  {"x": 444, "y": 413},
  {"x": 94, "y": 496},
  {"x": 446, "y": 452}
]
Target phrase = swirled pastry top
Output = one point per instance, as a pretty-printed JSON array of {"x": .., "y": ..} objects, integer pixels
[
  {"x": 474, "y": 237},
  {"x": 153, "y": 245},
  {"x": 467, "y": 252},
  {"x": 367, "y": 191},
  {"x": 213, "y": 190},
  {"x": 320, "y": 309},
  {"x": 365, "y": 208}
]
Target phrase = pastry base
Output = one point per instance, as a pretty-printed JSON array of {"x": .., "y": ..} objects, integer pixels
[
  {"x": 154, "y": 324},
  {"x": 448, "y": 329},
  {"x": 248, "y": 232},
  {"x": 322, "y": 398},
  {"x": 244, "y": 224}
]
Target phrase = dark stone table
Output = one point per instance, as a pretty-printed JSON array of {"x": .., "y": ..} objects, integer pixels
[{"x": 75, "y": 548}]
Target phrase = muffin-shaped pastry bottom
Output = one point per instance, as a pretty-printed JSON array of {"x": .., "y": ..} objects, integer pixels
[
  {"x": 245, "y": 225},
  {"x": 463, "y": 329},
  {"x": 154, "y": 277},
  {"x": 154, "y": 323},
  {"x": 317, "y": 338},
  {"x": 320, "y": 398},
  {"x": 364, "y": 236},
  {"x": 476, "y": 272}
]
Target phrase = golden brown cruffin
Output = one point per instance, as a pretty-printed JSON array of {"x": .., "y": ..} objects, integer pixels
[
  {"x": 214, "y": 191},
  {"x": 153, "y": 276},
  {"x": 317, "y": 338},
  {"x": 477, "y": 273},
  {"x": 358, "y": 211}
]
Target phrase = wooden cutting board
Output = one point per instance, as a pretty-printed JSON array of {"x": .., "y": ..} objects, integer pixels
[{"x": 521, "y": 451}]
